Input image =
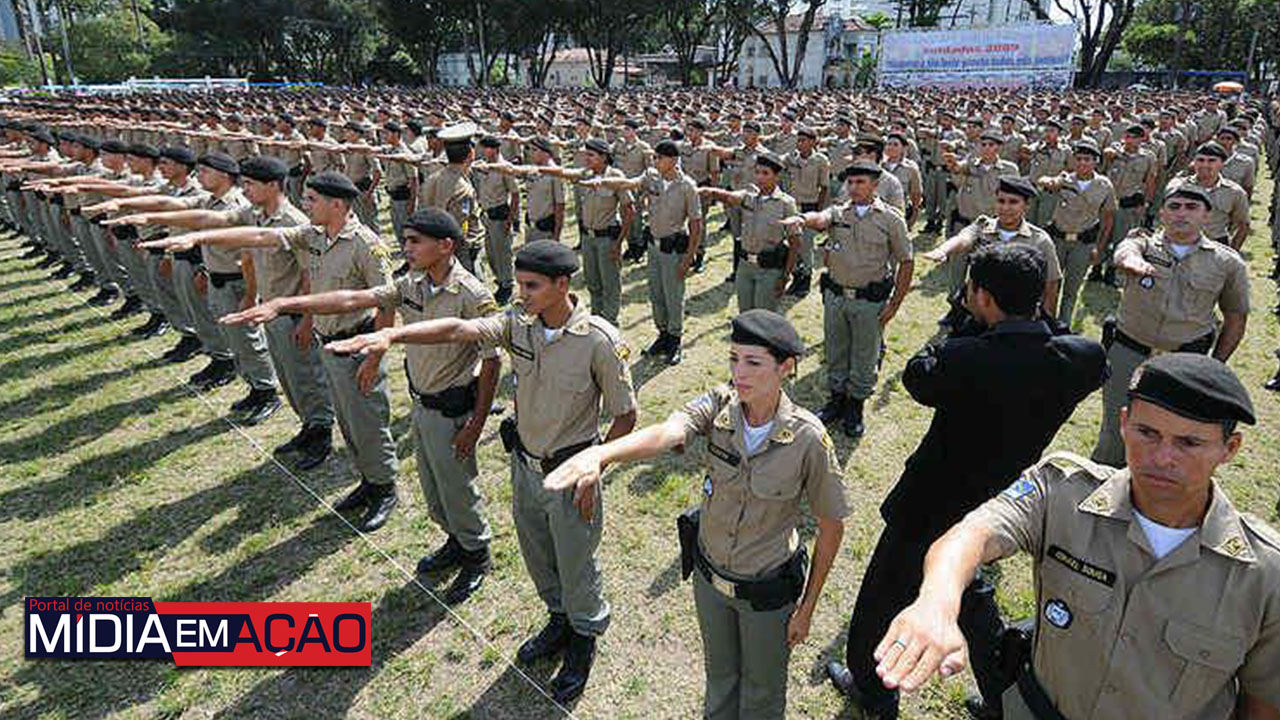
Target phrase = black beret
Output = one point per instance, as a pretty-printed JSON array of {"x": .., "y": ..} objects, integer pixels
[
  {"x": 766, "y": 328},
  {"x": 667, "y": 148},
  {"x": 334, "y": 184},
  {"x": 318, "y": 121},
  {"x": 1017, "y": 186},
  {"x": 547, "y": 257},
  {"x": 178, "y": 153},
  {"x": 43, "y": 135},
  {"x": 393, "y": 127},
  {"x": 490, "y": 141},
  {"x": 698, "y": 123},
  {"x": 542, "y": 144},
  {"x": 1194, "y": 192},
  {"x": 751, "y": 126},
  {"x": 632, "y": 123},
  {"x": 1212, "y": 149},
  {"x": 117, "y": 147},
  {"x": 287, "y": 119},
  {"x": 1229, "y": 130},
  {"x": 990, "y": 136},
  {"x": 1086, "y": 147},
  {"x": 1135, "y": 129},
  {"x": 264, "y": 168},
  {"x": 770, "y": 160},
  {"x": 862, "y": 167},
  {"x": 92, "y": 143},
  {"x": 143, "y": 150},
  {"x": 221, "y": 162},
  {"x": 597, "y": 145},
  {"x": 1052, "y": 123},
  {"x": 436, "y": 223},
  {"x": 1194, "y": 386},
  {"x": 806, "y": 131},
  {"x": 414, "y": 126}
]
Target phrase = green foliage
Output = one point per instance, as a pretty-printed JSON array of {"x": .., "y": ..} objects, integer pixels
[
  {"x": 878, "y": 20},
  {"x": 16, "y": 68},
  {"x": 1156, "y": 44},
  {"x": 114, "y": 45}
]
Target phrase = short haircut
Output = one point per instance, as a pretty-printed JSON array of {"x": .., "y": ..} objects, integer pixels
[
  {"x": 457, "y": 152},
  {"x": 1012, "y": 273}
]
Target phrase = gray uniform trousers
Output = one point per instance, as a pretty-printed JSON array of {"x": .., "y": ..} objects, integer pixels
[
  {"x": 497, "y": 249},
  {"x": 935, "y": 193},
  {"x": 1115, "y": 395},
  {"x": 1042, "y": 209},
  {"x": 399, "y": 215},
  {"x": 61, "y": 236},
  {"x": 449, "y": 484},
  {"x": 603, "y": 276},
  {"x": 248, "y": 343},
  {"x": 851, "y": 349},
  {"x": 744, "y": 653},
  {"x": 1073, "y": 257},
  {"x": 300, "y": 373},
  {"x": 166, "y": 293},
  {"x": 666, "y": 291},
  {"x": 93, "y": 245},
  {"x": 134, "y": 262},
  {"x": 559, "y": 549},
  {"x": 197, "y": 311},
  {"x": 1126, "y": 220},
  {"x": 365, "y": 420},
  {"x": 756, "y": 286}
]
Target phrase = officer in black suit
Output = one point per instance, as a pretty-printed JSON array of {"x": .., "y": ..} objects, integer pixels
[{"x": 1001, "y": 388}]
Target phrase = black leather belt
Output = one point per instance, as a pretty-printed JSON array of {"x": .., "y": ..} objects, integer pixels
[
  {"x": 191, "y": 256},
  {"x": 548, "y": 464},
  {"x": 361, "y": 329},
  {"x": 219, "y": 279},
  {"x": 1200, "y": 345},
  {"x": 451, "y": 402},
  {"x": 1133, "y": 201}
]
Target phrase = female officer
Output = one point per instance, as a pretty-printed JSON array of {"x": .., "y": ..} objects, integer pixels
[{"x": 766, "y": 455}]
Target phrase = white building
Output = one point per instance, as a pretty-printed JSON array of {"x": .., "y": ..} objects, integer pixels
[
  {"x": 570, "y": 67},
  {"x": 452, "y": 69},
  {"x": 833, "y": 40},
  {"x": 962, "y": 14}
]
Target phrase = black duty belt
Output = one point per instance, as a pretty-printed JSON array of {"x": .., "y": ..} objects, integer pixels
[
  {"x": 1200, "y": 345},
  {"x": 612, "y": 232},
  {"x": 809, "y": 207},
  {"x": 361, "y": 329},
  {"x": 1133, "y": 201},
  {"x": 219, "y": 279},
  {"x": 191, "y": 256},
  {"x": 451, "y": 402},
  {"x": 878, "y": 291},
  {"x": 677, "y": 242},
  {"x": 399, "y": 193},
  {"x": 499, "y": 213},
  {"x": 1087, "y": 236},
  {"x": 774, "y": 590},
  {"x": 774, "y": 258},
  {"x": 549, "y": 463}
]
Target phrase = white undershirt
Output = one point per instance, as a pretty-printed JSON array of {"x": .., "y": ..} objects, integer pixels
[
  {"x": 1180, "y": 250},
  {"x": 755, "y": 436},
  {"x": 1084, "y": 184},
  {"x": 1164, "y": 540},
  {"x": 550, "y": 334},
  {"x": 862, "y": 210},
  {"x": 1006, "y": 235}
]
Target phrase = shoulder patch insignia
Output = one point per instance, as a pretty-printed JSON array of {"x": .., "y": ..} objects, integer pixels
[
  {"x": 1020, "y": 488},
  {"x": 784, "y": 435},
  {"x": 380, "y": 250},
  {"x": 487, "y": 307},
  {"x": 622, "y": 351}
]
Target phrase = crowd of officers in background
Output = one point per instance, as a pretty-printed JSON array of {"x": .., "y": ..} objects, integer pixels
[{"x": 250, "y": 226}]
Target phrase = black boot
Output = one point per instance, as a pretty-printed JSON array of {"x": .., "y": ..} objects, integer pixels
[
  {"x": 979, "y": 709},
  {"x": 1109, "y": 275},
  {"x": 382, "y": 501},
  {"x": 106, "y": 295},
  {"x": 580, "y": 654},
  {"x": 659, "y": 346},
  {"x": 259, "y": 404},
  {"x": 1274, "y": 383},
  {"x": 548, "y": 642},
  {"x": 853, "y": 426},
  {"x": 35, "y": 252},
  {"x": 155, "y": 326},
  {"x": 356, "y": 498},
  {"x": 50, "y": 260},
  {"x": 63, "y": 272},
  {"x": 835, "y": 409},
  {"x": 214, "y": 375},
  {"x": 132, "y": 304},
  {"x": 85, "y": 282},
  {"x": 293, "y": 445},
  {"x": 316, "y": 447},
  {"x": 475, "y": 565},
  {"x": 187, "y": 348},
  {"x": 675, "y": 352},
  {"x": 446, "y": 557},
  {"x": 1095, "y": 274}
]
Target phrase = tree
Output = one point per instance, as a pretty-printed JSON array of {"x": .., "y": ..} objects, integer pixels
[
  {"x": 535, "y": 35},
  {"x": 601, "y": 26},
  {"x": 114, "y": 45},
  {"x": 688, "y": 23},
  {"x": 922, "y": 13},
  {"x": 1101, "y": 25},
  {"x": 737, "y": 19},
  {"x": 1156, "y": 44},
  {"x": 422, "y": 41},
  {"x": 1205, "y": 35},
  {"x": 787, "y": 64}
]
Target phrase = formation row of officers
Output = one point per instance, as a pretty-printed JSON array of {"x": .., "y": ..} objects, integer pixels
[{"x": 214, "y": 245}]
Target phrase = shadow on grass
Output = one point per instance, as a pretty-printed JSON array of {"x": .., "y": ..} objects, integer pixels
[
  {"x": 403, "y": 616},
  {"x": 20, "y": 368},
  {"x": 18, "y": 341},
  {"x": 511, "y": 697},
  {"x": 19, "y": 321},
  {"x": 47, "y": 397}
]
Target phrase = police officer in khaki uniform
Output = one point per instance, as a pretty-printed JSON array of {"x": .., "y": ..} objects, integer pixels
[
  {"x": 1133, "y": 171},
  {"x": 399, "y": 175},
  {"x": 808, "y": 172},
  {"x": 1229, "y": 220},
  {"x": 907, "y": 172},
  {"x": 1013, "y": 200},
  {"x": 278, "y": 273},
  {"x": 768, "y": 458},
  {"x": 569, "y": 365},
  {"x": 976, "y": 178},
  {"x": 1173, "y": 280},
  {"x": 341, "y": 254},
  {"x": 545, "y": 199},
  {"x": 450, "y": 189},
  {"x": 605, "y": 215},
  {"x": 499, "y": 196},
  {"x": 1155, "y": 596},
  {"x": 633, "y": 156},
  {"x": 675, "y": 224},
  {"x": 1081, "y": 222},
  {"x": 769, "y": 250},
  {"x": 869, "y": 266}
]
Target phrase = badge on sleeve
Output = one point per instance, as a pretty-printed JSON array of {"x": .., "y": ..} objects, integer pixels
[
  {"x": 1020, "y": 488},
  {"x": 706, "y": 486},
  {"x": 1057, "y": 614},
  {"x": 1147, "y": 282}
]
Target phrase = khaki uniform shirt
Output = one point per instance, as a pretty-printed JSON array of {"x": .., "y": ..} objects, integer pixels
[
  {"x": 545, "y": 192},
  {"x": 698, "y": 162},
  {"x": 1079, "y": 210},
  {"x": 450, "y": 190},
  {"x": 1240, "y": 169},
  {"x": 866, "y": 249},
  {"x": 889, "y": 189},
  {"x": 1230, "y": 205},
  {"x": 361, "y": 167},
  {"x": 324, "y": 160},
  {"x": 278, "y": 272},
  {"x": 632, "y": 158},
  {"x": 978, "y": 184},
  {"x": 1175, "y": 304},
  {"x": 1175, "y": 145},
  {"x": 291, "y": 156},
  {"x": 1122, "y": 635},
  {"x": 782, "y": 144},
  {"x": 743, "y": 168},
  {"x": 751, "y": 502},
  {"x": 761, "y": 216},
  {"x": 96, "y": 169},
  {"x": 907, "y": 173},
  {"x": 494, "y": 188},
  {"x": 1011, "y": 148},
  {"x": 809, "y": 175},
  {"x": 672, "y": 203},
  {"x": 1129, "y": 172},
  {"x": 840, "y": 153},
  {"x": 600, "y": 205},
  {"x": 219, "y": 259},
  {"x": 398, "y": 174},
  {"x": 563, "y": 383},
  {"x": 435, "y": 368},
  {"x": 986, "y": 231},
  {"x": 356, "y": 259}
]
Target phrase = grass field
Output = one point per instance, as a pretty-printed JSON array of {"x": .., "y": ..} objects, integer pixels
[{"x": 117, "y": 480}]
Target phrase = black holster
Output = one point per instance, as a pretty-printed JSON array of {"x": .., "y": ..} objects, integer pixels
[
  {"x": 498, "y": 213},
  {"x": 509, "y": 435},
  {"x": 687, "y": 530},
  {"x": 399, "y": 193},
  {"x": 1108, "y": 331},
  {"x": 674, "y": 243},
  {"x": 546, "y": 224},
  {"x": 451, "y": 402}
]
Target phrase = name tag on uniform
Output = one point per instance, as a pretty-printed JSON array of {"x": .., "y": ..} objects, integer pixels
[
  {"x": 1080, "y": 567},
  {"x": 413, "y": 304},
  {"x": 727, "y": 456},
  {"x": 1157, "y": 260}
]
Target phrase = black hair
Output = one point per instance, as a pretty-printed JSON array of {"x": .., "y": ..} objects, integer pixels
[
  {"x": 457, "y": 152},
  {"x": 1012, "y": 273}
]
